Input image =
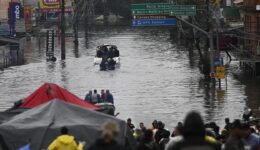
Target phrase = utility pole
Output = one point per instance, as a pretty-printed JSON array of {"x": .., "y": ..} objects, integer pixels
[
  {"x": 75, "y": 22},
  {"x": 63, "y": 51},
  {"x": 210, "y": 38}
]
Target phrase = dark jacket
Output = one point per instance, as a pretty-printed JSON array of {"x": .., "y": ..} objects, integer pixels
[
  {"x": 234, "y": 143},
  {"x": 160, "y": 134},
  {"x": 148, "y": 146},
  {"x": 102, "y": 145},
  {"x": 109, "y": 98},
  {"x": 192, "y": 143}
]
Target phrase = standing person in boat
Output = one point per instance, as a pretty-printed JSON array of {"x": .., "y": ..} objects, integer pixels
[
  {"x": 103, "y": 95},
  {"x": 99, "y": 53},
  {"x": 109, "y": 97},
  {"x": 65, "y": 141},
  {"x": 116, "y": 52},
  {"x": 88, "y": 97},
  {"x": 104, "y": 51},
  {"x": 95, "y": 98},
  {"x": 111, "y": 52},
  {"x": 111, "y": 64},
  {"x": 104, "y": 64}
]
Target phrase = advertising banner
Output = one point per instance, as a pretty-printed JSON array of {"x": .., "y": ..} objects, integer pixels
[
  {"x": 49, "y": 4},
  {"x": 52, "y": 6},
  {"x": 16, "y": 20}
]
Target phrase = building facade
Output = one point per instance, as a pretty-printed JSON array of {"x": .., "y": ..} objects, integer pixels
[{"x": 252, "y": 26}]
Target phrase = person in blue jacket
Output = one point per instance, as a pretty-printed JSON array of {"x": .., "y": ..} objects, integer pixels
[{"x": 109, "y": 97}]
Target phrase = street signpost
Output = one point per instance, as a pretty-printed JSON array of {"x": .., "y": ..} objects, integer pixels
[
  {"x": 220, "y": 72},
  {"x": 219, "y": 61},
  {"x": 152, "y": 17},
  {"x": 153, "y": 22},
  {"x": 163, "y": 8},
  {"x": 159, "y": 14}
]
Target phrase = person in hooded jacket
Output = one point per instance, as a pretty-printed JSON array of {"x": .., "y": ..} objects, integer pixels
[
  {"x": 65, "y": 142},
  {"x": 194, "y": 135},
  {"x": 108, "y": 140}
]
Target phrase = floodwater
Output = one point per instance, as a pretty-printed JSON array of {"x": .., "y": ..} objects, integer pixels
[{"x": 156, "y": 79}]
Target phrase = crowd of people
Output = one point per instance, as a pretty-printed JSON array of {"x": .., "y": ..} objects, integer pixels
[
  {"x": 192, "y": 134},
  {"x": 103, "y": 97},
  {"x": 107, "y": 55}
]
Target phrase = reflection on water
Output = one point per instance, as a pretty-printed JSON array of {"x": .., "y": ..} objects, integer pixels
[{"x": 156, "y": 80}]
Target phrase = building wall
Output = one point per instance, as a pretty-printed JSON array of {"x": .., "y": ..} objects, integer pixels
[
  {"x": 252, "y": 26},
  {"x": 4, "y": 4},
  {"x": 251, "y": 3}
]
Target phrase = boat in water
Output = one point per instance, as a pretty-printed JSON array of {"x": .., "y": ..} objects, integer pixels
[{"x": 104, "y": 52}]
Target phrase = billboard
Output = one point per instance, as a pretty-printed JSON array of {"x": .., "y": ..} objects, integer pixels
[
  {"x": 4, "y": 9},
  {"x": 52, "y": 6},
  {"x": 16, "y": 20},
  {"x": 49, "y": 4}
]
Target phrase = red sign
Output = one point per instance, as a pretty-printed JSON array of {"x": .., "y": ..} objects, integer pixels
[{"x": 212, "y": 75}]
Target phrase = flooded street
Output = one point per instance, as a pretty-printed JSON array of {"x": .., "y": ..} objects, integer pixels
[{"x": 156, "y": 79}]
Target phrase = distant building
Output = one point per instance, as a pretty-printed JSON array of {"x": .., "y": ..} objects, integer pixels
[
  {"x": 4, "y": 4},
  {"x": 252, "y": 26}
]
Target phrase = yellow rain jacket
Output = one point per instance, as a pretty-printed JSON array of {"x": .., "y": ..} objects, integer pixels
[
  {"x": 211, "y": 139},
  {"x": 65, "y": 142}
]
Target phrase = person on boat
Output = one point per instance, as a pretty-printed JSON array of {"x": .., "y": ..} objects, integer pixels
[
  {"x": 88, "y": 97},
  {"x": 103, "y": 95},
  {"x": 116, "y": 53},
  {"x": 109, "y": 97},
  {"x": 103, "y": 65},
  {"x": 111, "y": 52},
  {"x": 111, "y": 64},
  {"x": 95, "y": 98},
  {"x": 99, "y": 53},
  {"x": 104, "y": 51},
  {"x": 108, "y": 140},
  {"x": 65, "y": 141}
]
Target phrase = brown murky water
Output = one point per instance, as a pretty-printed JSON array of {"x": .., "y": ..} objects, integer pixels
[{"x": 156, "y": 79}]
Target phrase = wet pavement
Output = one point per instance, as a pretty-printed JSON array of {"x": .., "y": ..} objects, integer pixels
[{"x": 156, "y": 79}]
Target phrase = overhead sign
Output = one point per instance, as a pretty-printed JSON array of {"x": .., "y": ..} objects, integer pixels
[
  {"x": 49, "y": 4},
  {"x": 154, "y": 22},
  {"x": 152, "y": 17},
  {"x": 163, "y": 8},
  {"x": 151, "y": 6},
  {"x": 53, "y": 6},
  {"x": 151, "y": 12}
]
